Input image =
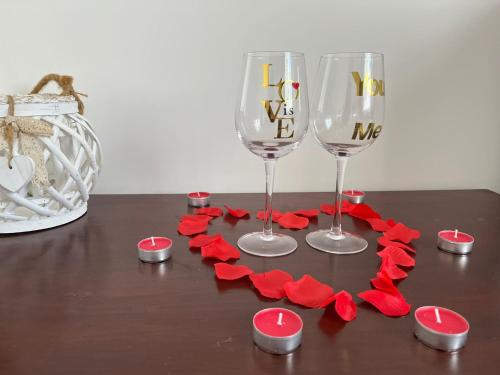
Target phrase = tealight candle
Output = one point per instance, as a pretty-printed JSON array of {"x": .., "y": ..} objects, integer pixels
[
  {"x": 154, "y": 249},
  {"x": 455, "y": 242},
  {"x": 441, "y": 328},
  {"x": 199, "y": 199},
  {"x": 354, "y": 196},
  {"x": 277, "y": 330}
]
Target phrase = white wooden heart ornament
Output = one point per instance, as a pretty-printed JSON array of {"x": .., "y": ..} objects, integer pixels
[{"x": 20, "y": 172}]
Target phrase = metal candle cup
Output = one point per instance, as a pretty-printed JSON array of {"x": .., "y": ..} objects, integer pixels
[
  {"x": 277, "y": 330},
  {"x": 199, "y": 199},
  {"x": 154, "y": 249},
  {"x": 441, "y": 328},
  {"x": 455, "y": 242},
  {"x": 354, "y": 196}
]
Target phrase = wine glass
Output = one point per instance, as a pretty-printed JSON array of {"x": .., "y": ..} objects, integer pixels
[
  {"x": 347, "y": 116},
  {"x": 272, "y": 115}
]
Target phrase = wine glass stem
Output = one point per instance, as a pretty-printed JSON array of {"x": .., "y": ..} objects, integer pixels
[
  {"x": 337, "y": 218},
  {"x": 268, "y": 213}
]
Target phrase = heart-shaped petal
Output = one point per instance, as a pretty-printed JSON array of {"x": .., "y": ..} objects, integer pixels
[
  {"x": 398, "y": 256},
  {"x": 292, "y": 221},
  {"x": 384, "y": 241},
  {"x": 226, "y": 271},
  {"x": 203, "y": 240},
  {"x": 401, "y": 232},
  {"x": 378, "y": 225},
  {"x": 276, "y": 215},
  {"x": 189, "y": 227},
  {"x": 309, "y": 292},
  {"x": 237, "y": 212},
  {"x": 345, "y": 306},
  {"x": 307, "y": 213},
  {"x": 329, "y": 209},
  {"x": 363, "y": 211},
  {"x": 270, "y": 284},
  {"x": 220, "y": 249},
  {"x": 388, "y": 304},
  {"x": 210, "y": 211},
  {"x": 390, "y": 269}
]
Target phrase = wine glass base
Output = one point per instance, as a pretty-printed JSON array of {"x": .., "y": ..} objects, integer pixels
[
  {"x": 273, "y": 245},
  {"x": 348, "y": 243}
]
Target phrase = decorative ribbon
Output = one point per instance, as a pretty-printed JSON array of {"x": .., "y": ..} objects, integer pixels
[{"x": 26, "y": 129}]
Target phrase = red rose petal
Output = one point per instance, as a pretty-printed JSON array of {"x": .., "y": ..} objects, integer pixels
[
  {"x": 384, "y": 283},
  {"x": 220, "y": 249},
  {"x": 196, "y": 218},
  {"x": 308, "y": 292},
  {"x": 387, "y": 304},
  {"x": 226, "y": 271},
  {"x": 398, "y": 256},
  {"x": 391, "y": 222},
  {"x": 292, "y": 221},
  {"x": 378, "y": 225},
  {"x": 384, "y": 241},
  {"x": 276, "y": 215},
  {"x": 189, "y": 227},
  {"x": 329, "y": 209},
  {"x": 210, "y": 211},
  {"x": 307, "y": 213},
  {"x": 237, "y": 212},
  {"x": 203, "y": 239},
  {"x": 363, "y": 211},
  {"x": 345, "y": 306},
  {"x": 390, "y": 269},
  {"x": 328, "y": 301},
  {"x": 401, "y": 232},
  {"x": 271, "y": 284}
]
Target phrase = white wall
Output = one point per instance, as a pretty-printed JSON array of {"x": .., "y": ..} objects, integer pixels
[{"x": 162, "y": 79}]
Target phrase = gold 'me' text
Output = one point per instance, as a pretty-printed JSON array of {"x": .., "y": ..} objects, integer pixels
[
  {"x": 372, "y": 87},
  {"x": 277, "y": 109}
]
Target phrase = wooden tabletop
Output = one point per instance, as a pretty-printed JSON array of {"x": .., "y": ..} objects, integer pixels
[{"x": 76, "y": 300}]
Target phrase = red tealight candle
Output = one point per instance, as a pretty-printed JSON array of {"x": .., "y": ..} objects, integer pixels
[
  {"x": 277, "y": 330},
  {"x": 354, "y": 196},
  {"x": 199, "y": 199},
  {"x": 455, "y": 242},
  {"x": 154, "y": 249},
  {"x": 441, "y": 328}
]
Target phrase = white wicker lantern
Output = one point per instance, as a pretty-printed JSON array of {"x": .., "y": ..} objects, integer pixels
[{"x": 50, "y": 163}]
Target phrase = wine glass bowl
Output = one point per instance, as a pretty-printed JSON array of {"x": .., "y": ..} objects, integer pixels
[
  {"x": 271, "y": 118},
  {"x": 347, "y": 117}
]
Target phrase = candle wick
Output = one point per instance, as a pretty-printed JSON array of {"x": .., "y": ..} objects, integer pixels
[
  {"x": 280, "y": 319},
  {"x": 456, "y": 233},
  {"x": 153, "y": 241},
  {"x": 352, "y": 191},
  {"x": 198, "y": 194},
  {"x": 438, "y": 317}
]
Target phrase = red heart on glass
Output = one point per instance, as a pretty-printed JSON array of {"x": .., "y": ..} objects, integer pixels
[{"x": 295, "y": 85}]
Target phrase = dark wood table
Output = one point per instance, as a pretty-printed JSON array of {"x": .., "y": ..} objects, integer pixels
[{"x": 76, "y": 300}]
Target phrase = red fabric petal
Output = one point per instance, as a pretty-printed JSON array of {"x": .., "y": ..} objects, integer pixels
[
  {"x": 276, "y": 215},
  {"x": 363, "y": 211},
  {"x": 307, "y": 213},
  {"x": 401, "y": 232},
  {"x": 345, "y": 306},
  {"x": 328, "y": 301},
  {"x": 220, "y": 249},
  {"x": 390, "y": 269},
  {"x": 203, "y": 239},
  {"x": 308, "y": 292},
  {"x": 391, "y": 222},
  {"x": 384, "y": 241},
  {"x": 270, "y": 284},
  {"x": 292, "y": 221},
  {"x": 378, "y": 225},
  {"x": 398, "y": 256},
  {"x": 196, "y": 218},
  {"x": 226, "y": 271},
  {"x": 387, "y": 304},
  {"x": 384, "y": 283},
  {"x": 237, "y": 212},
  {"x": 189, "y": 227},
  {"x": 210, "y": 211},
  {"x": 329, "y": 209}
]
